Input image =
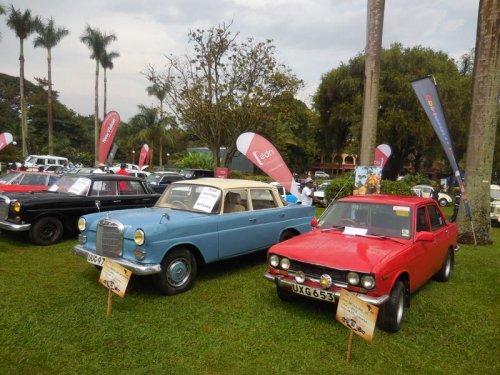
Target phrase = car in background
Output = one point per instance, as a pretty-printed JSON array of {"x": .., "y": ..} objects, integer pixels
[
  {"x": 379, "y": 247},
  {"x": 319, "y": 193},
  {"x": 321, "y": 174},
  {"x": 194, "y": 222},
  {"x": 47, "y": 215},
  {"x": 191, "y": 174},
  {"x": 32, "y": 162},
  {"x": 159, "y": 181},
  {"x": 26, "y": 181},
  {"x": 427, "y": 191},
  {"x": 495, "y": 205}
]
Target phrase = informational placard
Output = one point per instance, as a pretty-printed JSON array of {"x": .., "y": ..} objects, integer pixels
[
  {"x": 367, "y": 180},
  {"x": 357, "y": 315},
  {"x": 207, "y": 199},
  {"x": 115, "y": 277}
]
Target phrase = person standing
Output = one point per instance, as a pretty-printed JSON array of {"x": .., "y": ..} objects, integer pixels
[
  {"x": 122, "y": 170},
  {"x": 100, "y": 169},
  {"x": 307, "y": 196}
]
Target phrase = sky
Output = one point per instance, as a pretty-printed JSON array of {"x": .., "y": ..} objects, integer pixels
[{"x": 311, "y": 37}]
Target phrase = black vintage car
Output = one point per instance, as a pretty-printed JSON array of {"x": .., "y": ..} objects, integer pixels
[{"x": 48, "y": 214}]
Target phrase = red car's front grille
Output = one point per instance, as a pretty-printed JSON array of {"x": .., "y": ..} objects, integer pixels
[{"x": 315, "y": 271}]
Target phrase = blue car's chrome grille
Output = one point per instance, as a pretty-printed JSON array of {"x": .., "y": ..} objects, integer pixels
[{"x": 109, "y": 238}]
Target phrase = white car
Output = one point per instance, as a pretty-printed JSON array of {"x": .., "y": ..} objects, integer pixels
[
  {"x": 427, "y": 191},
  {"x": 495, "y": 204},
  {"x": 321, "y": 174}
]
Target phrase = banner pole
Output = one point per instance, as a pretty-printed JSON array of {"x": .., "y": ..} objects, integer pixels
[{"x": 473, "y": 232}]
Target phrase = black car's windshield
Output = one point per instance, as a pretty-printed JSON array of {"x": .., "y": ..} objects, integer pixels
[
  {"x": 198, "y": 198},
  {"x": 368, "y": 218},
  {"x": 73, "y": 184}
]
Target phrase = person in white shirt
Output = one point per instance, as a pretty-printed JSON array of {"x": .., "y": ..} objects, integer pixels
[
  {"x": 307, "y": 196},
  {"x": 100, "y": 169}
]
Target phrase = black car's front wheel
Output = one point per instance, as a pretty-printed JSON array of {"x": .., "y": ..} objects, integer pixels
[
  {"x": 391, "y": 315},
  {"x": 178, "y": 271},
  {"x": 46, "y": 231}
]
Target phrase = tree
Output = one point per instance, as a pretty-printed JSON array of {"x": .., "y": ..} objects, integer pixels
[
  {"x": 2, "y": 11},
  {"x": 97, "y": 42},
  {"x": 225, "y": 88},
  {"x": 23, "y": 24},
  {"x": 107, "y": 63},
  {"x": 483, "y": 123},
  {"x": 375, "y": 22},
  {"x": 48, "y": 37},
  {"x": 401, "y": 122},
  {"x": 159, "y": 90},
  {"x": 148, "y": 126}
]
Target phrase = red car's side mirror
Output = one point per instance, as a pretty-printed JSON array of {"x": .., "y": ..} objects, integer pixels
[{"x": 425, "y": 236}]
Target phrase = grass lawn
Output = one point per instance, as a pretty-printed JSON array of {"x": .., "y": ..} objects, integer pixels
[{"x": 53, "y": 321}]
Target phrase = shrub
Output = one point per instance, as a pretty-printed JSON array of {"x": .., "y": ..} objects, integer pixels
[{"x": 340, "y": 187}]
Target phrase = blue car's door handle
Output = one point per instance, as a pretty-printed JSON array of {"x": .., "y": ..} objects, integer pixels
[
  {"x": 281, "y": 215},
  {"x": 253, "y": 220}
]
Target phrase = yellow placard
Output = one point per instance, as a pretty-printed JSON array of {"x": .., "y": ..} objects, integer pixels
[
  {"x": 357, "y": 315},
  {"x": 115, "y": 277}
]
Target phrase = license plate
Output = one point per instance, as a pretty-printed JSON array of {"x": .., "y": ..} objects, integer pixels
[
  {"x": 323, "y": 295},
  {"x": 96, "y": 259}
]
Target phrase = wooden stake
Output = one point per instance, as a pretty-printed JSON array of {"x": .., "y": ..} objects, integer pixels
[
  {"x": 110, "y": 299},
  {"x": 349, "y": 346}
]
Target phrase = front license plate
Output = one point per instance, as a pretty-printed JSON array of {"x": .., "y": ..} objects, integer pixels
[
  {"x": 96, "y": 259},
  {"x": 323, "y": 295}
]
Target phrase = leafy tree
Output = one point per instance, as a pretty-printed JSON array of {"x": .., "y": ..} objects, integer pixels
[
  {"x": 466, "y": 63},
  {"x": 401, "y": 121},
  {"x": 23, "y": 24},
  {"x": 97, "y": 42},
  {"x": 2, "y": 11},
  {"x": 483, "y": 123},
  {"x": 48, "y": 37},
  {"x": 372, "y": 74},
  {"x": 107, "y": 63},
  {"x": 225, "y": 88}
]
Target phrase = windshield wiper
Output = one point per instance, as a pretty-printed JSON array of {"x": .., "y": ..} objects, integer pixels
[
  {"x": 333, "y": 227},
  {"x": 380, "y": 236}
]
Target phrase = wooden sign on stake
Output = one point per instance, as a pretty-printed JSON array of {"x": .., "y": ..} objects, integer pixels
[
  {"x": 115, "y": 277},
  {"x": 357, "y": 315}
]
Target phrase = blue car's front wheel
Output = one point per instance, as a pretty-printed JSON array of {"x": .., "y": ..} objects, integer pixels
[{"x": 178, "y": 271}]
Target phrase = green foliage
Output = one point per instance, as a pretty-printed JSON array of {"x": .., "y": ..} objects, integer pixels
[
  {"x": 340, "y": 187},
  {"x": 415, "y": 179},
  {"x": 401, "y": 121},
  {"x": 395, "y": 187},
  {"x": 197, "y": 160}
]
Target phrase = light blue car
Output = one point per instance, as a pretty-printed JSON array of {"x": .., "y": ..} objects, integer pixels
[{"x": 194, "y": 222}]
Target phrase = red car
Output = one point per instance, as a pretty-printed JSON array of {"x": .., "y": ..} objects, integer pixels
[
  {"x": 379, "y": 247},
  {"x": 21, "y": 181}
]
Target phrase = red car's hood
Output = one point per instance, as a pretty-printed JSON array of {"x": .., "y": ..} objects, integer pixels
[{"x": 337, "y": 250}]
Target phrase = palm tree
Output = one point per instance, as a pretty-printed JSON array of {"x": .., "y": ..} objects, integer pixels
[
  {"x": 152, "y": 127},
  {"x": 23, "y": 25},
  {"x": 2, "y": 11},
  {"x": 48, "y": 37},
  {"x": 97, "y": 43},
  {"x": 375, "y": 22},
  {"x": 483, "y": 124},
  {"x": 107, "y": 63},
  {"x": 159, "y": 90}
]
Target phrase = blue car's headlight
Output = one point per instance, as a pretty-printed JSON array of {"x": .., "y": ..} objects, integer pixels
[
  {"x": 139, "y": 237},
  {"x": 82, "y": 224}
]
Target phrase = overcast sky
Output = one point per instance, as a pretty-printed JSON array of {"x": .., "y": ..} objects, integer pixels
[{"x": 311, "y": 36}]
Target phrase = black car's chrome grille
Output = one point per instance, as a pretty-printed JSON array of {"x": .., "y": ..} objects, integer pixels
[
  {"x": 4, "y": 208},
  {"x": 109, "y": 238},
  {"x": 315, "y": 271}
]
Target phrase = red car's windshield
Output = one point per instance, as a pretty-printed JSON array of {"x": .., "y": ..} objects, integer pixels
[{"x": 371, "y": 218}]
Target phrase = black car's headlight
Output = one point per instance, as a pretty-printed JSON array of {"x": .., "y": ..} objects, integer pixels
[{"x": 16, "y": 206}]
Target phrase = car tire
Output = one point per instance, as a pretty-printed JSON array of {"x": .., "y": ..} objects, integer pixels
[
  {"x": 285, "y": 295},
  {"x": 443, "y": 202},
  {"x": 286, "y": 235},
  {"x": 391, "y": 314},
  {"x": 178, "y": 271},
  {"x": 444, "y": 273},
  {"x": 46, "y": 231}
]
